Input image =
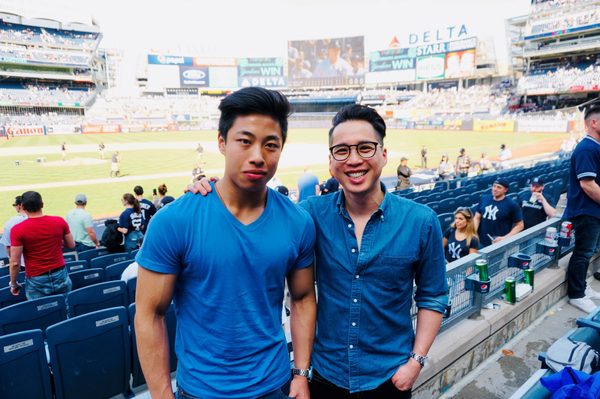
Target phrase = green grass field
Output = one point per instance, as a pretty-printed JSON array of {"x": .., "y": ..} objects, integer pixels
[{"x": 150, "y": 154}]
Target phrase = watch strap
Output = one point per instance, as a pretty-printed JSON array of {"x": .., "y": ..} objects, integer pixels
[
  {"x": 307, "y": 373},
  {"x": 420, "y": 359}
]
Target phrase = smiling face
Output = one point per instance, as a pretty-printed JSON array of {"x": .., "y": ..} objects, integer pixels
[
  {"x": 499, "y": 191},
  {"x": 252, "y": 151},
  {"x": 356, "y": 174}
]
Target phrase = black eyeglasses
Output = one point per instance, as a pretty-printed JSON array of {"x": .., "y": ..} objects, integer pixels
[{"x": 365, "y": 150}]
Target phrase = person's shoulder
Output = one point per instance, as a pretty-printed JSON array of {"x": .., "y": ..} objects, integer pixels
[
  {"x": 285, "y": 205},
  {"x": 318, "y": 204},
  {"x": 414, "y": 209}
]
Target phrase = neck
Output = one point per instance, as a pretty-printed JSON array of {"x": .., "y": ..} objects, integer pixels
[
  {"x": 37, "y": 214},
  {"x": 363, "y": 204},
  {"x": 80, "y": 206},
  {"x": 593, "y": 135},
  {"x": 139, "y": 197},
  {"x": 235, "y": 198},
  {"x": 499, "y": 198}
]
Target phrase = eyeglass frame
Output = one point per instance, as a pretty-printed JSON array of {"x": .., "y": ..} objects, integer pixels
[{"x": 376, "y": 143}]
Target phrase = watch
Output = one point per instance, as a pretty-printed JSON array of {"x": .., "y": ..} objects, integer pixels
[
  {"x": 421, "y": 359},
  {"x": 307, "y": 373}
]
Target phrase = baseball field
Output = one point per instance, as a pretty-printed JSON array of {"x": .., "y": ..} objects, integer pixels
[{"x": 149, "y": 159}]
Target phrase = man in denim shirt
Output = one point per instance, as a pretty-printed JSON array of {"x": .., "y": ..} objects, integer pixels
[{"x": 371, "y": 247}]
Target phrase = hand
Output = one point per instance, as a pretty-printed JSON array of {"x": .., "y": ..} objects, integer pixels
[
  {"x": 202, "y": 186},
  {"x": 15, "y": 289},
  {"x": 406, "y": 375},
  {"x": 498, "y": 239},
  {"x": 299, "y": 388}
]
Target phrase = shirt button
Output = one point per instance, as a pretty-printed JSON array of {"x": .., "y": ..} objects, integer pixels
[
  {"x": 353, "y": 250},
  {"x": 349, "y": 226},
  {"x": 355, "y": 300},
  {"x": 357, "y": 276},
  {"x": 351, "y": 346},
  {"x": 353, "y": 324}
]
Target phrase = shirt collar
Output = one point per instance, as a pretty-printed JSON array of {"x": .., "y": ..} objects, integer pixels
[
  {"x": 591, "y": 138},
  {"x": 341, "y": 201}
]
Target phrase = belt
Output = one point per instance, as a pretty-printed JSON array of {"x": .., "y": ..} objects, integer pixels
[{"x": 49, "y": 272}]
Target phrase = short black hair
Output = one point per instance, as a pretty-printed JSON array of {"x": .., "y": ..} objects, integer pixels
[
  {"x": 357, "y": 112},
  {"x": 32, "y": 201},
  {"x": 138, "y": 190},
  {"x": 254, "y": 100}
]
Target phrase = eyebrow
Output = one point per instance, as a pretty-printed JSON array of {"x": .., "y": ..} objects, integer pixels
[{"x": 267, "y": 138}]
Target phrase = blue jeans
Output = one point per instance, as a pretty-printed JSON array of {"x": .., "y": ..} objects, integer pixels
[
  {"x": 79, "y": 247},
  {"x": 52, "y": 283},
  {"x": 280, "y": 393},
  {"x": 131, "y": 240},
  {"x": 587, "y": 232}
]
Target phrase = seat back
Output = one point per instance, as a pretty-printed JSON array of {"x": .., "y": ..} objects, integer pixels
[
  {"x": 7, "y": 299},
  {"x": 4, "y": 280},
  {"x": 90, "y": 354},
  {"x": 33, "y": 314},
  {"x": 23, "y": 366},
  {"x": 70, "y": 257},
  {"x": 131, "y": 287},
  {"x": 92, "y": 253},
  {"x": 114, "y": 272},
  {"x": 96, "y": 297},
  {"x": 76, "y": 265},
  {"x": 446, "y": 220},
  {"x": 4, "y": 261},
  {"x": 110, "y": 259},
  {"x": 86, "y": 277}
]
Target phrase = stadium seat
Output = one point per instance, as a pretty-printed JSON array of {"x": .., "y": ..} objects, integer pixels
[
  {"x": 446, "y": 220},
  {"x": 86, "y": 277},
  {"x": 4, "y": 271},
  {"x": 90, "y": 355},
  {"x": 7, "y": 299},
  {"x": 133, "y": 253},
  {"x": 24, "y": 369},
  {"x": 109, "y": 259},
  {"x": 513, "y": 196},
  {"x": 171, "y": 321},
  {"x": 447, "y": 205},
  {"x": 463, "y": 200},
  {"x": 32, "y": 314},
  {"x": 96, "y": 297},
  {"x": 76, "y": 265},
  {"x": 131, "y": 288},
  {"x": 70, "y": 257},
  {"x": 437, "y": 196},
  {"x": 4, "y": 262},
  {"x": 5, "y": 280},
  {"x": 114, "y": 272},
  {"x": 434, "y": 205},
  {"x": 92, "y": 253}
]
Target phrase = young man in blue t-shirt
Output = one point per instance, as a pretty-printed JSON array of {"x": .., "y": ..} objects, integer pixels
[
  {"x": 497, "y": 216},
  {"x": 223, "y": 259}
]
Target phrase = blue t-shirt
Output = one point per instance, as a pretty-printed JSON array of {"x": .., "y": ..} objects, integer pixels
[
  {"x": 148, "y": 210},
  {"x": 307, "y": 186},
  {"x": 457, "y": 249},
  {"x": 585, "y": 163},
  {"x": 131, "y": 220},
  {"x": 497, "y": 218},
  {"x": 229, "y": 290}
]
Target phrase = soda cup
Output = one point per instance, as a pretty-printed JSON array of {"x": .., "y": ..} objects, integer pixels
[
  {"x": 482, "y": 268},
  {"x": 566, "y": 228},
  {"x": 510, "y": 290},
  {"x": 529, "y": 275},
  {"x": 551, "y": 235}
]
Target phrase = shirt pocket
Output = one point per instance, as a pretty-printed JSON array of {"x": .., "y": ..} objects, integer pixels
[{"x": 392, "y": 271}]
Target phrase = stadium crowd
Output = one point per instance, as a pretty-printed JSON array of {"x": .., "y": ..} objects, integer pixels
[
  {"x": 46, "y": 36},
  {"x": 43, "y": 95}
]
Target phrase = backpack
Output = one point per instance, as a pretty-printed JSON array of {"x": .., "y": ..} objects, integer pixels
[
  {"x": 112, "y": 238},
  {"x": 578, "y": 355}
]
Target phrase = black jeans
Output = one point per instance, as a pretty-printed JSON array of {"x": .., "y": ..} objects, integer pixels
[
  {"x": 587, "y": 231},
  {"x": 320, "y": 388}
]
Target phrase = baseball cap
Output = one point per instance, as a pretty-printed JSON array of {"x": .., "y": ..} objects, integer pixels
[
  {"x": 538, "y": 181},
  {"x": 18, "y": 200},
  {"x": 80, "y": 199},
  {"x": 403, "y": 159},
  {"x": 502, "y": 181}
]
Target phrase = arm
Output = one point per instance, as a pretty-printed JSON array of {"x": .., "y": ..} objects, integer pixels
[
  {"x": 517, "y": 228},
  {"x": 591, "y": 189},
  {"x": 476, "y": 220},
  {"x": 428, "y": 325},
  {"x": 549, "y": 209},
  {"x": 15, "y": 268},
  {"x": 153, "y": 296},
  {"x": 92, "y": 234},
  {"x": 122, "y": 230},
  {"x": 69, "y": 241},
  {"x": 473, "y": 250},
  {"x": 302, "y": 320}
]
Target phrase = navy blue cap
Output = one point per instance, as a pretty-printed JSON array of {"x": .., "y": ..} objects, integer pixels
[{"x": 502, "y": 181}]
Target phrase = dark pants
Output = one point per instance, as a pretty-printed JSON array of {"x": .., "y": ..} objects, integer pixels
[
  {"x": 281, "y": 393},
  {"x": 79, "y": 247},
  {"x": 587, "y": 230},
  {"x": 320, "y": 388}
]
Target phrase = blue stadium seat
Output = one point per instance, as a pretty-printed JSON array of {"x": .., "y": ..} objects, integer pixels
[
  {"x": 131, "y": 288},
  {"x": 113, "y": 272},
  {"x": 92, "y": 253},
  {"x": 86, "y": 277},
  {"x": 4, "y": 271},
  {"x": 90, "y": 355},
  {"x": 447, "y": 205},
  {"x": 437, "y": 196},
  {"x": 133, "y": 253},
  {"x": 76, "y": 265},
  {"x": 446, "y": 220},
  {"x": 5, "y": 280},
  {"x": 171, "y": 322},
  {"x": 110, "y": 259},
  {"x": 435, "y": 205},
  {"x": 4, "y": 262},
  {"x": 70, "y": 257},
  {"x": 36, "y": 313},
  {"x": 96, "y": 297},
  {"x": 7, "y": 299},
  {"x": 463, "y": 200},
  {"x": 24, "y": 369}
]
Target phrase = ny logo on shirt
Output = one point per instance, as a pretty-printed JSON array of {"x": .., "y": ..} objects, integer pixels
[
  {"x": 490, "y": 212},
  {"x": 454, "y": 250}
]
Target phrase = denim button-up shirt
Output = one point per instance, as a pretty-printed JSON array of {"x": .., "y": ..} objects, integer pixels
[{"x": 364, "y": 327}]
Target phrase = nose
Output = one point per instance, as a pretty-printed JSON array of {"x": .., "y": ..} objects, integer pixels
[
  {"x": 354, "y": 157},
  {"x": 256, "y": 155}
]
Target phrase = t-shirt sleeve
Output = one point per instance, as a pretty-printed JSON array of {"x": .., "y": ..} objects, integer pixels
[
  {"x": 5, "y": 240},
  {"x": 65, "y": 227},
  {"x": 474, "y": 243},
  {"x": 87, "y": 221},
  {"x": 162, "y": 248},
  {"x": 16, "y": 237},
  {"x": 586, "y": 165},
  {"x": 124, "y": 219},
  {"x": 447, "y": 233},
  {"x": 306, "y": 252},
  {"x": 517, "y": 212}
]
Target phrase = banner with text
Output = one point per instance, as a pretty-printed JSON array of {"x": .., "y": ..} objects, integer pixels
[
  {"x": 493, "y": 126},
  {"x": 431, "y": 67},
  {"x": 193, "y": 76},
  {"x": 460, "y": 64},
  {"x": 155, "y": 59},
  {"x": 25, "y": 130},
  {"x": 264, "y": 72}
]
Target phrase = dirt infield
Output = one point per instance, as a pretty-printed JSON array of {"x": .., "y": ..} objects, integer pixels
[{"x": 542, "y": 147}]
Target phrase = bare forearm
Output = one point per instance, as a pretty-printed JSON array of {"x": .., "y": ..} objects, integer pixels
[
  {"x": 517, "y": 228},
  {"x": 550, "y": 211},
  {"x": 153, "y": 349},
  {"x": 428, "y": 325},
  {"x": 15, "y": 268},
  {"x": 303, "y": 321},
  {"x": 591, "y": 189}
]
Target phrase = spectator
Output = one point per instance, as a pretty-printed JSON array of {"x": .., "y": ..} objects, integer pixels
[
  {"x": 537, "y": 208},
  {"x": 583, "y": 209},
  {"x": 147, "y": 207},
  {"x": 40, "y": 240},
  {"x": 131, "y": 271},
  {"x": 461, "y": 238},
  {"x": 12, "y": 222},
  {"x": 330, "y": 186},
  {"x": 82, "y": 226},
  {"x": 307, "y": 185},
  {"x": 162, "y": 199},
  {"x": 114, "y": 165},
  {"x": 498, "y": 217},
  {"x": 463, "y": 163},
  {"x": 131, "y": 222},
  {"x": 404, "y": 174},
  {"x": 445, "y": 169}
]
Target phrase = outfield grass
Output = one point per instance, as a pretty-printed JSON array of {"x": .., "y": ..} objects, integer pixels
[{"x": 104, "y": 198}]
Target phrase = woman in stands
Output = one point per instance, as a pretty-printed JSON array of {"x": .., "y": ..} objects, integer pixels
[
  {"x": 461, "y": 238},
  {"x": 131, "y": 222},
  {"x": 162, "y": 199},
  {"x": 445, "y": 169}
]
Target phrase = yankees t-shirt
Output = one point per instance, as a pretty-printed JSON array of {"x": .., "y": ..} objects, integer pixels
[
  {"x": 131, "y": 220},
  {"x": 497, "y": 218},
  {"x": 533, "y": 213},
  {"x": 457, "y": 249}
]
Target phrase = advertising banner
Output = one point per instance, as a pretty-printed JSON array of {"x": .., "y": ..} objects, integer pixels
[
  {"x": 63, "y": 129},
  {"x": 223, "y": 77},
  {"x": 550, "y": 126},
  {"x": 326, "y": 62},
  {"x": 25, "y": 130},
  {"x": 91, "y": 129},
  {"x": 392, "y": 60},
  {"x": 193, "y": 76},
  {"x": 431, "y": 67},
  {"x": 264, "y": 72},
  {"x": 460, "y": 63},
  {"x": 493, "y": 126},
  {"x": 154, "y": 59}
]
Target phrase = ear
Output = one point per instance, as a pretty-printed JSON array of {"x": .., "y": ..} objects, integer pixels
[
  {"x": 385, "y": 157},
  {"x": 222, "y": 144}
]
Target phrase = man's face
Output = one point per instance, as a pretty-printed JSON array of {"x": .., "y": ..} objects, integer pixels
[
  {"x": 498, "y": 190},
  {"x": 356, "y": 174},
  {"x": 536, "y": 188},
  {"x": 333, "y": 54},
  {"x": 252, "y": 151}
]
